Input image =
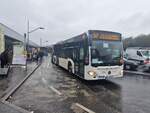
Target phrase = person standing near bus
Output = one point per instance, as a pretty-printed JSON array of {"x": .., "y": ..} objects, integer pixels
[
  {"x": 35, "y": 56},
  {"x": 40, "y": 55},
  {"x": 4, "y": 58}
]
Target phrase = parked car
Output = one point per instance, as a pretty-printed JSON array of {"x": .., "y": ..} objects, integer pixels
[
  {"x": 137, "y": 57},
  {"x": 129, "y": 64}
]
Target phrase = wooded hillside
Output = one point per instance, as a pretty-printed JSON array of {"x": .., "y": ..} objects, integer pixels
[{"x": 139, "y": 41}]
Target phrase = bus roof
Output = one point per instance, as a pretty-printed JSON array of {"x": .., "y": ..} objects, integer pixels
[
  {"x": 80, "y": 37},
  {"x": 73, "y": 39}
]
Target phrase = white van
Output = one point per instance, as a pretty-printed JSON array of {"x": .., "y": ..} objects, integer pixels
[{"x": 138, "y": 57}]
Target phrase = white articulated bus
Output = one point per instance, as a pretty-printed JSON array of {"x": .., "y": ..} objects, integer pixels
[{"x": 92, "y": 55}]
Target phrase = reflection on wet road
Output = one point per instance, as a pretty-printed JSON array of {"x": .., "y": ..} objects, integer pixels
[{"x": 52, "y": 90}]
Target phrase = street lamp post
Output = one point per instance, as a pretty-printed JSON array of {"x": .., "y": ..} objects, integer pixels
[{"x": 30, "y": 31}]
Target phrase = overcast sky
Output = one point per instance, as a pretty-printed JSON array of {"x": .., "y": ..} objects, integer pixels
[{"x": 63, "y": 19}]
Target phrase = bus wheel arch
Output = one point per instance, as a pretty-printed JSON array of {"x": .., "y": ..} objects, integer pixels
[{"x": 55, "y": 60}]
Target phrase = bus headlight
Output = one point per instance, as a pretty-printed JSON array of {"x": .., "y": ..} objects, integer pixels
[{"x": 92, "y": 73}]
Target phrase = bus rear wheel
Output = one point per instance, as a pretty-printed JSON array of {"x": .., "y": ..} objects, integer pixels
[{"x": 55, "y": 60}]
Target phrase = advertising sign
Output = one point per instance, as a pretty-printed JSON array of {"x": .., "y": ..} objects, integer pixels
[
  {"x": 19, "y": 56},
  {"x": 2, "y": 40}
]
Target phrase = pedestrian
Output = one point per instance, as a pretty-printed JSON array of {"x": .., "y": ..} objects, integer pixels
[
  {"x": 40, "y": 55},
  {"x": 4, "y": 58},
  {"x": 36, "y": 56}
]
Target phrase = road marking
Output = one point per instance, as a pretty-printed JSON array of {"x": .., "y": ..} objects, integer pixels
[
  {"x": 77, "y": 105},
  {"x": 51, "y": 87},
  {"x": 55, "y": 90}
]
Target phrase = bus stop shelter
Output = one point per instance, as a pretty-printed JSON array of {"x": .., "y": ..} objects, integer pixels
[{"x": 8, "y": 37}]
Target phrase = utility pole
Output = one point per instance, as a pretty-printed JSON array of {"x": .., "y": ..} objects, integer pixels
[
  {"x": 25, "y": 49},
  {"x": 28, "y": 35},
  {"x": 31, "y": 31},
  {"x": 25, "y": 42}
]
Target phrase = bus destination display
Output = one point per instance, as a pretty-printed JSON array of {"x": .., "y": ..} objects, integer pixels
[{"x": 105, "y": 36}]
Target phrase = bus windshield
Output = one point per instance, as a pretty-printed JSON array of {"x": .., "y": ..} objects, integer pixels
[{"x": 106, "y": 53}]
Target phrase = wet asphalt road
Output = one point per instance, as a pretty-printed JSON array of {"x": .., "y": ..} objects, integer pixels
[{"x": 130, "y": 94}]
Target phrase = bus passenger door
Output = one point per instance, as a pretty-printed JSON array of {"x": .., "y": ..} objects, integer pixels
[
  {"x": 78, "y": 57},
  {"x": 81, "y": 62},
  {"x": 76, "y": 60}
]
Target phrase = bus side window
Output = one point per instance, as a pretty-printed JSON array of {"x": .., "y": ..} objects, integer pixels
[
  {"x": 70, "y": 53},
  {"x": 81, "y": 53},
  {"x": 75, "y": 54}
]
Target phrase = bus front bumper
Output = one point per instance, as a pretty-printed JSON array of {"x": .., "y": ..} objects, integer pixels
[{"x": 103, "y": 72}]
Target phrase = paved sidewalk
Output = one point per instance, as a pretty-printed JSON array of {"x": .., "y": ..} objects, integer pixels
[
  {"x": 16, "y": 74},
  {"x": 8, "y": 108}
]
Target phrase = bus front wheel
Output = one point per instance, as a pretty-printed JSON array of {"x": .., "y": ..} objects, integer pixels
[{"x": 52, "y": 60}]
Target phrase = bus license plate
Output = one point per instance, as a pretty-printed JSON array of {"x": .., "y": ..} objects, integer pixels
[{"x": 101, "y": 77}]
